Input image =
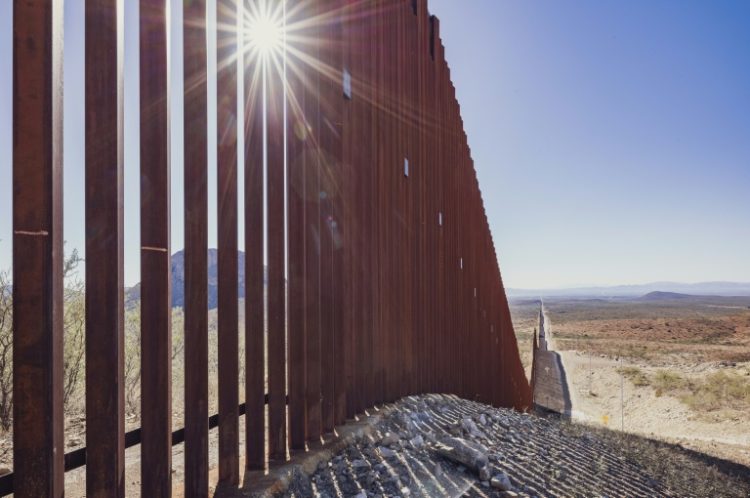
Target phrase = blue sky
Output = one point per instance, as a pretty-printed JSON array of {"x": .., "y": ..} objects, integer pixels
[{"x": 611, "y": 139}]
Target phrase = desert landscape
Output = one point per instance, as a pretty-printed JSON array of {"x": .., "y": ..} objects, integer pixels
[{"x": 664, "y": 365}]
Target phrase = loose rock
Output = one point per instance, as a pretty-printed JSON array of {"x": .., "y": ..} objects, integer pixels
[
  {"x": 386, "y": 452},
  {"x": 417, "y": 442},
  {"x": 389, "y": 439},
  {"x": 485, "y": 473},
  {"x": 501, "y": 481},
  {"x": 470, "y": 427},
  {"x": 470, "y": 454}
]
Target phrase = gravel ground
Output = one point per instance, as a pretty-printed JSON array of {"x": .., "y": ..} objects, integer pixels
[{"x": 437, "y": 445}]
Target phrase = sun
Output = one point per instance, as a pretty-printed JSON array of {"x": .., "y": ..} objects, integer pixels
[{"x": 264, "y": 33}]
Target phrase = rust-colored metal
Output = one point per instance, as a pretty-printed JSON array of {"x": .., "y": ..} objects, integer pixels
[
  {"x": 275, "y": 187},
  {"x": 105, "y": 400},
  {"x": 311, "y": 111},
  {"x": 344, "y": 406},
  {"x": 334, "y": 398},
  {"x": 156, "y": 337},
  {"x": 255, "y": 385},
  {"x": 297, "y": 137},
  {"x": 37, "y": 248},
  {"x": 391, "y": 284},
  {"x": 226, "y": 127},
  {"x": 196, "y": 245},
  {"x": 331, "y": 102}
]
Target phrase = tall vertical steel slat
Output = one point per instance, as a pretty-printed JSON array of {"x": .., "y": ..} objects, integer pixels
[
  {"x": 357, "y": 166},
  {"x": 431, "y": 135},
  {"x": 364, "y": 164},
  {"x": 105, "y": 410},
  {"x": 255, "y": 440},
  {"x": 436, "y": 141},
  {"x": 369, "y": 173},
  {"x": 421, "y": 55},
  {"x": 326, "y": 268},
  {"x": 331, "y": 96},
  {"x": 459, "y": 262},
  {"x": 311, "y": 110},
  {"x": 474, "y": 286},
  {"x": 297, "y": 135},
  {"x": 341, "y": 255},
  {"x": 335, "y": 218},
  {"x": 412, "y": 106},
  {"x": 454, "y": 158},
  {"x": 441, "y": 166},
  {"x": 419, "y": 225},
  {"x": 386, "y": 166},
  {"x": 37, "y": 248},
  {"x": 336, "y": 223},
  {"x": 343, "y": 382},
  {"x": 156, "y": 388},
  {"x": 395, "y": 170},
  {"x": 196, "y": 244},
  {"x": 226, "y": 128},
  {"x": 404, "y": 13},
  {"x": 352, "y": 150},
  {"x": 400, "y": 204},
  {"x": 377, "y": 261},
  {"x": 360, "y": 158},
  {"x": 276, "y": 257}
]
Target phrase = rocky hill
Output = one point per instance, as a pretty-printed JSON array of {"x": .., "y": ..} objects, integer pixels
[{"x": 133, "y": 294}]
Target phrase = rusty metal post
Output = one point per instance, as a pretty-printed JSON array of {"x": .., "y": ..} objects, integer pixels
[
  {"x": 311, "y": 110},
  {"x": 105, "y": 400},
  {"x": 336, "y": 223},
  {"x": 331, "y": 101},
  {"x": 345, "y": 404},
  {"x": 37, "y": 248},
  {"x": 255, "y": 389},
  {"x": 196, "y": 244},
  {"x": 297, "y": 136},
  {"x": 156, "y": 306},
  {"x": 277, "y": 440},
  {"x": 226, "y": 124}
]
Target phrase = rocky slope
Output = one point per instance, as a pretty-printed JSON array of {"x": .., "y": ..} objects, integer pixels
[{"x": 437, "y": 445}]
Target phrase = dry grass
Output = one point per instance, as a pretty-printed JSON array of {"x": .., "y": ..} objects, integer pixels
[
  {"x": 715, "y": 391},
  {"x": 666, "y": 381},
  {"x": 635, "y": 375},
  {"x": 684, "y": 471}
]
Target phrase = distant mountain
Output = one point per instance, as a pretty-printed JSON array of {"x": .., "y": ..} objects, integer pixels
[
  {"x": 133, "y": 294},
  {"x": 665, "y": 296},
  {"x": 700, "y": 289}
]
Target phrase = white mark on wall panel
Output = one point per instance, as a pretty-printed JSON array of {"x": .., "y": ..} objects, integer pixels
[{"x": 347, "y": 84}]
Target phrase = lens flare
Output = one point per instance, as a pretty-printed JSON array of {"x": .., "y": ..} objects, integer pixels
[{"x": 265, "y": 34}]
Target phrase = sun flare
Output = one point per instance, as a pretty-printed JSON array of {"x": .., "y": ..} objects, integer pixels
[{"x": 265, "y": 33}]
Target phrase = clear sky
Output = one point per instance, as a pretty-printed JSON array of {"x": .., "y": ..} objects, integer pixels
[{"x": 611, "y": 139}]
